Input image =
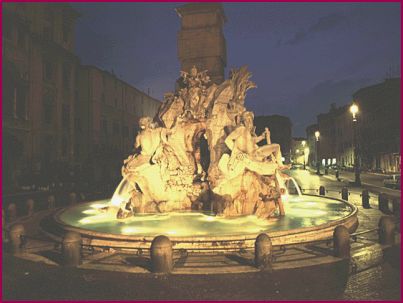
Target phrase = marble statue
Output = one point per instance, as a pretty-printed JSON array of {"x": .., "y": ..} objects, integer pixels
[{"x": 200, "y": 152}]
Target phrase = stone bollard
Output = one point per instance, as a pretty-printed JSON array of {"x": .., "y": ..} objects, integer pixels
[
  {"x": 341, "y": 242},
  {"x": 387, "y": 229},
  {"x": 344, "y": 193},
  {"x": 396, "y": 207},
  {"x": 12, "y": 212},
  {"x": 365, "y": 199},
  {"x": 263, "y": 251},
  {"x": 51, "y": 202},
  {"x": 322, "y": 190},
  {"x": 16, "y": 233},
  {"x": 72, "y": 198},
  {"x": 71, "y": 249},
  {"x": 383, "y": 203},
  {"x": 30, "y": 207},
  {"x": 161, "y": 255}
]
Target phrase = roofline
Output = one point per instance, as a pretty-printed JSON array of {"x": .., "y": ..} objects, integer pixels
[{"x": 89, "y": 66}]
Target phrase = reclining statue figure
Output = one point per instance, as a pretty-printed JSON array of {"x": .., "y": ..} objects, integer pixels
[
  {"x": 147, "y": 142},
  {"x": 246, "y": 154}
]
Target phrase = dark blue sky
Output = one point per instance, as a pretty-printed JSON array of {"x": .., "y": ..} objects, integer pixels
[{"x": 303, "y": 56}]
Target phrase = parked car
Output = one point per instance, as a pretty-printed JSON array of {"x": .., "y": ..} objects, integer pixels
[
  {"x": 377, "y": 170},
  {"x": 392, "y": 181}
]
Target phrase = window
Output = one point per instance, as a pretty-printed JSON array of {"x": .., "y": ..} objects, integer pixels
[
  {"x": 64, "y": 145},
  {"x": 48, "y": 70},
  {"x": 21, "y": 39},
  {"x": 49, "y": 16},
  {"x": 115, "y": 127},
  {"x": 77, "y": 150},
  {"x": 66, "y": 27},
  {"x": 9, "y": 92},
  {"x": 47, "y": 32},
  {"x": 125, "y": 131},
  {"x": 104, "y": 126},
  {"x": 66, "y": 115},
  {"x": 66, "y": 75},
  {"x": 48, "y": 109},
  {"x": 78, "y": 125},
  {"x": 66, "y": 33},
  {"x": 21, "y": 99},
  {"x": 8, "y": 29}
]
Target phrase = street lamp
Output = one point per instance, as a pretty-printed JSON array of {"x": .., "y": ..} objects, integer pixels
[
  {"x": 306, "y": 155},
  {"x": 303, "y": 149},
  {"x": 317, "y": 134},
  {"x": 354, "y": 111}
]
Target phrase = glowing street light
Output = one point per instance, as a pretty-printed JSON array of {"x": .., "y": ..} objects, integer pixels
[
  {"x": 317, "y": 135},
  {"x": 354, "y": 111}
]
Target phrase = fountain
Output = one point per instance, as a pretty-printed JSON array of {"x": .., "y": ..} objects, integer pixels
[{"x": 199, "y": 177}]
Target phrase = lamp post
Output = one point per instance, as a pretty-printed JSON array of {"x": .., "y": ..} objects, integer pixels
[
  {"x": 303, "y": 153},
  {"x": 317, "y": 134},
  {"x": 306, "y": 156},
  {"x": 354, "y": 111}
]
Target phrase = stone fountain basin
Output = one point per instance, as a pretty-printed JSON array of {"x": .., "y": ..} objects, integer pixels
[{"x": 308, "y": 218}]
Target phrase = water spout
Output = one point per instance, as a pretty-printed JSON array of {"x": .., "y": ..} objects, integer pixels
[
  {"x": 295, "y": 189},
  {"x": 122, "y": 192}
]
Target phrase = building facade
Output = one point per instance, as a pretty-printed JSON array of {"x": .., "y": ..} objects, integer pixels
[
  {"x": 108, "y": 111},
  {"x": 335, "y": 142},
  {"x": 379, "y": 125},
  {"x": 39, "y": 87},
  {"x": 58, "y": 114},
  {"x": 377, "y": 130}
]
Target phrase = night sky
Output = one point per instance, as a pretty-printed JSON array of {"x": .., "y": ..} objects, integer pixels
[{"x": 303, "y": 56}]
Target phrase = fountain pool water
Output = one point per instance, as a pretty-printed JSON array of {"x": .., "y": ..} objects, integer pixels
[
  {"x": 301, "y": 212},
  {"x": 308, "y": 218}
]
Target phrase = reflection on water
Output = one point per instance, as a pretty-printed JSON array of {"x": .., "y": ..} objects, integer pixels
[{"x": 300, "y": 212}]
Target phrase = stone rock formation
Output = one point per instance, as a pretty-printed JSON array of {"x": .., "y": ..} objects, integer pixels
[{"x": 200, "y": 152}]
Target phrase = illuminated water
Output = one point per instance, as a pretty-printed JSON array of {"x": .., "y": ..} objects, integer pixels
[{"x": 301, "y": 211}]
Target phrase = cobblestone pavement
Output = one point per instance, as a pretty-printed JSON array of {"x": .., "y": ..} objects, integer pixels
[{"x": 24, "y": 280}]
